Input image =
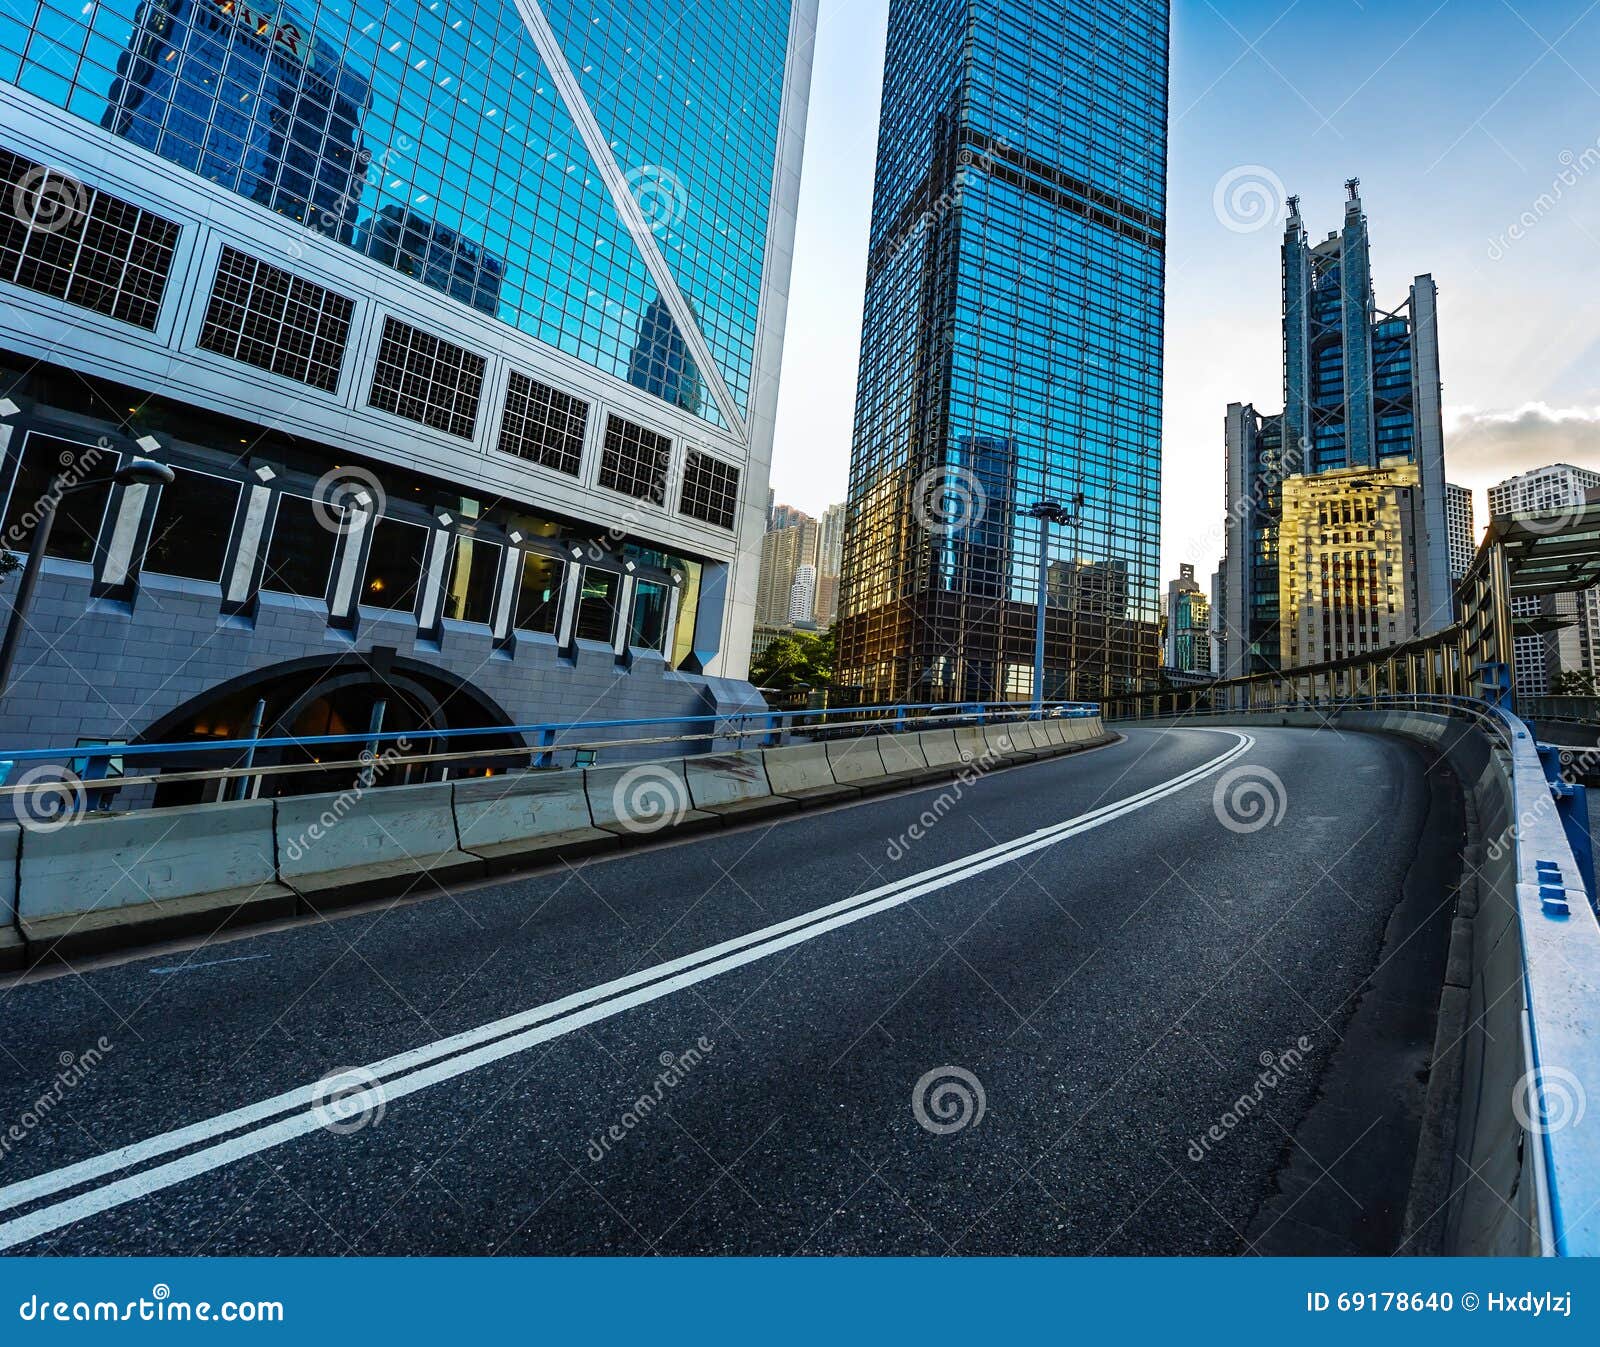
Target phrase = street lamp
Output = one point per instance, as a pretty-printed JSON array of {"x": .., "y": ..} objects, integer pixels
[
  {"x": 135, "y": 472},
  {"x": 1046, "y": 512}
]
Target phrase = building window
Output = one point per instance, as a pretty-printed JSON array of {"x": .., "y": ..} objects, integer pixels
[
  {"x": 193, "y": 520},
  {"x": 543, "y": 425},
  {"x": 427, "y": 380},
  {"x": 597, "y": 605},
  {"x": 78, "y": 516},
  {"x": 474, "y": 577},
  {"x": 635, "y": 461},
  {"x": 394, "y": 565},
  {"x": 539, "y": 593},
  {"x": 76, "y": 243},
  {"x": 267, "y": 317},
  {"x": 649, "y": 627},
  {"x": 300, "y": 555},
  {"x": 710, "y": 490}
]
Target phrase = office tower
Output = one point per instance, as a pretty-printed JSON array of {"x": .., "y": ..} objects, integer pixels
[
  {"x": 1011, "y": 353},
  {"x": 1217, "y": 623},
  {"x": 1347, "y": 582},
  {"x": 783, "y": 552},
  {"x": 1459, "y": 524},
  {"x": 1361, "y": 390},
  {"x": 1557, "y": 633},
  {"x": 830, "y": 561},
  {"x": 1188, "y": 643},
  {"x": 803, "y": 596},
  {"x": 461, "y": 325}
]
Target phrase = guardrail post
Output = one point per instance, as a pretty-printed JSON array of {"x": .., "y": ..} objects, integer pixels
[{"x": 545, "y": 758}]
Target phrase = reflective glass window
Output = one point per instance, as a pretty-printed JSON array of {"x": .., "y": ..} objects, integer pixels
[{"x": 194, "y": 517}]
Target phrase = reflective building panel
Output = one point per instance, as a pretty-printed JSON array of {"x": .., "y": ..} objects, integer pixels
[
  {"x": 1011, "y": 354},
  {"x": 432, "y": 138}
]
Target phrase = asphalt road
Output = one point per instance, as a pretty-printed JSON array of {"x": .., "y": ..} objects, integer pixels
[{"x": 1113, "y": 990}]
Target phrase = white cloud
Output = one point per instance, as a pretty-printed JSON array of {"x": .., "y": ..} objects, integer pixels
[{"x": 1485, "y": 447}]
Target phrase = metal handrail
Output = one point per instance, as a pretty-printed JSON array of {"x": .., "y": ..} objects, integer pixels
[{"x": 547, "y": 736}]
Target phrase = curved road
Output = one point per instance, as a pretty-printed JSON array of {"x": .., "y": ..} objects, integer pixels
[{"x": 714, "y": 1045}]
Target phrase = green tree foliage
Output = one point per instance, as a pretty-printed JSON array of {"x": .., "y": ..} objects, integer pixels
[{"x": 802, "y": 658}]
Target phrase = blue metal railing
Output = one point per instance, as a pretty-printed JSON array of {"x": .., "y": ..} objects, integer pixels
[{"x": 544, "y": 739}]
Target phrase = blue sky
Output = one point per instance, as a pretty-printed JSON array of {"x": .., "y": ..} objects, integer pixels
[{"x": 1462, "y": 118}]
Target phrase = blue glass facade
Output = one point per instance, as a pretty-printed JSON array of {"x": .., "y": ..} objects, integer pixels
[
  {"x": 1012, "y": 351},
  {"x": 432, "y": 137}
]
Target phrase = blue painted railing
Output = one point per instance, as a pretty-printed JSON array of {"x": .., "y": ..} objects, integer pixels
[{"x": 544, "y": 739}]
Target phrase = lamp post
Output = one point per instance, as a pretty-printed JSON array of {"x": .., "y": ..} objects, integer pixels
[
  {"x": 135, "y": 472},
  {"x": 1046, "y": 512}
]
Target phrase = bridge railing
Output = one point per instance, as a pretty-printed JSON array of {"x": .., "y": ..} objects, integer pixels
[
  {"x": 1525, "y": 1144},
  {"x": 244, "y": 765}
]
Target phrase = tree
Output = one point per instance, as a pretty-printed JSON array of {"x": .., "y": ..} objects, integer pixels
[
  {"x": 8, "y": 563},
  {"x": 802, "y": 658},
  {"x": 1572, "y": 683}
]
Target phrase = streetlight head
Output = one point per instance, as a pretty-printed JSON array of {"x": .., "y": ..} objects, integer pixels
[{"x": 144, "y": 472}]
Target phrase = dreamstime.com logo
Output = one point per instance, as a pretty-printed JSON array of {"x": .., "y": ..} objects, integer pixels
[
  {"x": 48, "y": 797},
  {"x": 349, "y": 1100},
  {"x": 676, "y": 1067},
  {"x": 661, "y": 197},
  {"x": 1248, "y": 799},
  {"x": 1249, "y": 198},
  {"x": 1549, "y": 1099},
  {"x": 76, "y": 1067},
  {"x": 1276, "y": 1068},
  {"x": 158, "y": 1308},
  {"x": 343, "y": 494},
  {"x": 49, "y": 200},
  {"x": 649, "y": 798},
  {"x": 947, "y": 1100},
  {"x": 947, "y": 500}
]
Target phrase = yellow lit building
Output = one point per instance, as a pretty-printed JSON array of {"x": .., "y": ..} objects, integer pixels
[{"x": 1347, "y": 577}]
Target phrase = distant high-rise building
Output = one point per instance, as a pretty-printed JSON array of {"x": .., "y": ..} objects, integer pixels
[
  {"x": 783, "y": 552},
  {"x": 1463, "y": 537},
  {"x": 1569, "y": 639},
  {"x": 1188, "y": 643},
  {"x": 1011, "y": 351},
  {"x": 1362, "y": 390},
  {"x": 1347, "y": 582},
  {"x": 803, "y": 595},
  {"x": 830, "y": 560}
]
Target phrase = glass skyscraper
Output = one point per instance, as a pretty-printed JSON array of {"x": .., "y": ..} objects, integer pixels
[
  {"x": 517, "y": 269},
  {"x": 1012, "y": 352},
  {"x": 1361, "y": 390}
]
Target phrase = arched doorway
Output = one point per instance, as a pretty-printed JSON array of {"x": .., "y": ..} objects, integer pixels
[{"x": 333, "y": 695}]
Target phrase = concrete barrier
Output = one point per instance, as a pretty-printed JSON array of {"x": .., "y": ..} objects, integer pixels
[
  {"x": 971, "y": 743},
  {"x": 858, "y": 763},
  {"x": 939, "y": 750},
  {"x": 643, "y": 800},
  {"x": 167, "y": 871},
  {"x": 1005, "y": 743},
  {"x": 802, "y": 773},
  {"x": 347, "y": 848},
  {"x": 734, "y": 786},
  {"x": 525, "y": 818},
  {"x": 904, "y": 762},
  {"x": 1038, "y": 737}
]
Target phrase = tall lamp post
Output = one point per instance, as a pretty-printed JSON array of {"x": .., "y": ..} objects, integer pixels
[
  {"x": 135, "y": 472},
  {"x": 1046, "y": 512}
]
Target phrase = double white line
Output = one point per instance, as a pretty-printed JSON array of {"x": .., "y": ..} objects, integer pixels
[{"x": 247, "y": 1131}]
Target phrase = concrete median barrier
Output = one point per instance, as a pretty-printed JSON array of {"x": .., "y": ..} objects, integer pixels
[
  {"x": 904, "y": 763},
  {"x": 358, "y": 845},
  {"x": 523, "y": 819},
  {"x": 1008, "y": 743},
  {"x": 940, "y": 750},
  {"x": 12, "y": 948},
  {"x": 643, "y": 801},
  {"x": 802, "y": 773},
  {"x": 970, "y": 742},
  {"x": 858, "y": 763},
  {"x": 734, "y": 787},
  {"x": 105, "y": 881}
]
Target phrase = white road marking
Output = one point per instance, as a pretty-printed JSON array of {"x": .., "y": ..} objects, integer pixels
[{"x": 433, "y": 1063}]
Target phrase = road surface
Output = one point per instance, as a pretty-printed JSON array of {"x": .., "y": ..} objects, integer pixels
[{"x": 1080, "y": 1006}]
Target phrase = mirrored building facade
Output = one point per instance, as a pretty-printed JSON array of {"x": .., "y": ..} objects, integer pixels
[
  {"x": 1012, "y": 352},
  {"x": 461, "y": 323}
]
